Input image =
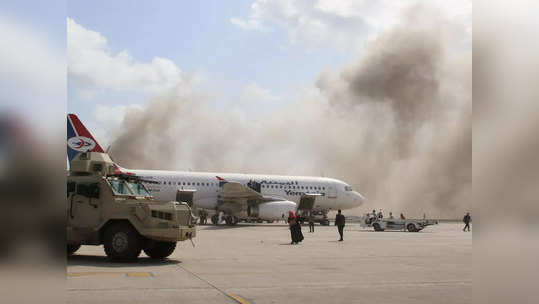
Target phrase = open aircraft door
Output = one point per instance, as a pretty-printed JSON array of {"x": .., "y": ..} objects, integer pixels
[
  {"x": 306, "y": 202},
  {"x": 185, "y": 196}
]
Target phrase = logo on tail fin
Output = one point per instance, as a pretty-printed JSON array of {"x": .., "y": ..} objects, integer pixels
[
  {"x": 79, "y": 138},
  {"x": 81, "y": 143}
]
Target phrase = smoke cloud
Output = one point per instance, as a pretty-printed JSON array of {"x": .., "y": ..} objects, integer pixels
[{"x": 396, "y": 125}]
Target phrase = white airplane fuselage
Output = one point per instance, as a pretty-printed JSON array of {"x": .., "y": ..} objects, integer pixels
[{"x": 334, "y": 194}]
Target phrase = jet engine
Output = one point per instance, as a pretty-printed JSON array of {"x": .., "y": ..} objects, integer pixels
[{"x": 276, "y": 210}]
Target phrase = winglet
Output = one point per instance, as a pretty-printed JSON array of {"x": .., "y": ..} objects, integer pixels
[{"x": 221, "y": 180}]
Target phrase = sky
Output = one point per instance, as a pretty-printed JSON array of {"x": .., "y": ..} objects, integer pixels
[
  {"x": 33, "y": 62},
  {"x": 370, "y": 92},
  {"x": 237, "y": 50}
]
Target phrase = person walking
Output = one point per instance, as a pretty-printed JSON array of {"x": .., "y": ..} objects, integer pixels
[
  {"x": 295, "y": 228},
  {"x": 339, "y": 222},
  {"x": 311, "y": 223},
  {"x": 467, "y": 219}
]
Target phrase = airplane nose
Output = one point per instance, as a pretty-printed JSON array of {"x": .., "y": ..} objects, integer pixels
[{"x": 360, "y": 199}]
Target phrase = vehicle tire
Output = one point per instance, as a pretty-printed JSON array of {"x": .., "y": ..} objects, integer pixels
[
  {"x": 411, "y": 228},
  {"x": 231, "y": 220},
  {"x": 260, "y": 221},
  {"x": 270, "y": 222},
  {"x": 72, "y": 248},
  {"x": 325, "y": 223},
  {"x": 377, "y": 227},
  {"x": 159, "y": 250},
  {"x": 122, "y": 242},
  {"x": 215, "y": 219}
]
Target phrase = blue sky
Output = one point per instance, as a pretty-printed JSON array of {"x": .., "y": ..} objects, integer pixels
[
  {"x": 234, "y": 48},
  {"x": 198, "y": 36}
]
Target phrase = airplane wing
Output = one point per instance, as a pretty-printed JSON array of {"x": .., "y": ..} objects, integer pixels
[{"x": 237, "y": 191}]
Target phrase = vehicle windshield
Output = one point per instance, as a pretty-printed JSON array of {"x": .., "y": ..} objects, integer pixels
[
  {"x": 139, "y": 189},
  {"x": 347, "y": 188},
  {"x": 119, "y": 187}
]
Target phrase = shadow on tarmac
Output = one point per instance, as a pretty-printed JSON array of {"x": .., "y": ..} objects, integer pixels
[{"x": 102, "y": 261}]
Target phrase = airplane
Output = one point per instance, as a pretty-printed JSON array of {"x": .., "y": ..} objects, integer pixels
[{"x": 233, "y": 197}]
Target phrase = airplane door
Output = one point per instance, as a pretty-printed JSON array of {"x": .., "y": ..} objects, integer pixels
[
  {"x": 185, "y": 196},
  {"x": 332, "y": 192}
]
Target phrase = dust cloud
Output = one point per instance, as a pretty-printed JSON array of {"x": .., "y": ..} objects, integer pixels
[{"x": 395, "y": 124}]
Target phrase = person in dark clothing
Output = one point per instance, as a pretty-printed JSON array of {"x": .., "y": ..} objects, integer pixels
[
  {"x": 203, "y": 218},
  {"x": 295, "y": 228},
  {"x": 467, "y": 218},
  {"x": 339, "y": 222},
  {"x": 311, "y": 223}
]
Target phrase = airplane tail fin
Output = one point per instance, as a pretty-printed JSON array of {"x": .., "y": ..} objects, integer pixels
[{"x": 79, "y": 139}]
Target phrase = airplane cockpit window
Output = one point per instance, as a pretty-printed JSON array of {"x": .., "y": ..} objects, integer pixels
[{"x": 347, "y": 188}]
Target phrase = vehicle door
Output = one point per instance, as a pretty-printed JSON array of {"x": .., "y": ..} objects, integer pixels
[{"x": 85, "y": 205}]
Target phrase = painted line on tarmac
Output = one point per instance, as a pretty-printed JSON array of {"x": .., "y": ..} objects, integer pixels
[
  {"x": 127, "y": 274},
  {"x": 238, "y": 299},
  {"x": 234, "y": 297}
]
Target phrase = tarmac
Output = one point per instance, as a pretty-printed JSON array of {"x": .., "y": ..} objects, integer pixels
[{"x": 256, "y": 264}]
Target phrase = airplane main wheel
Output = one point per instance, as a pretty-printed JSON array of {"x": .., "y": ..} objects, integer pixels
[
  {"x": 159, "y": 250},
  {"x": 122, "y": 242},
  {"x": 231, "y": 220},
  {"x": 72, "y": 248},
  {"x": 215, "y": 219}
]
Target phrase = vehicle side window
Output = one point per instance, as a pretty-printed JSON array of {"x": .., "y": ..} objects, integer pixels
[{"x": 91, "y": 190}]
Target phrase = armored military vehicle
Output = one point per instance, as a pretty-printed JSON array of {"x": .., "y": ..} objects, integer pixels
[{"x": 105, "y": 206}]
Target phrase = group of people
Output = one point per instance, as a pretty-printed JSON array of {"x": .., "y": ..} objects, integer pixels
[
  {"x": 380, "y": 215},
  {"x": 295, "y": 226}
]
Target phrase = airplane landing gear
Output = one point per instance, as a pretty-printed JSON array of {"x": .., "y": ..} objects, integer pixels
[{"x": 215, "y": 219}]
